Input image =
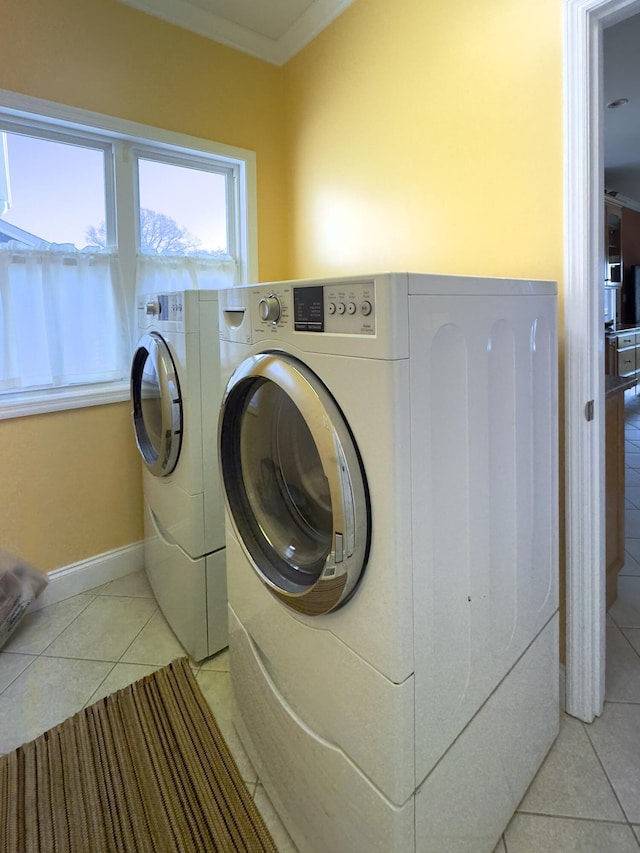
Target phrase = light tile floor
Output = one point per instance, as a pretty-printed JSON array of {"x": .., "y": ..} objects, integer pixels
[
  {"x": 68, "y": 655},
  {"x": 585, "y": 798}
]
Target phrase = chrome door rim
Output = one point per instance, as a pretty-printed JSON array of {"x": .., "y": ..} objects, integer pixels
[
  {"x": 160, "y": 462},
  {"x": 337, "y": 578}
]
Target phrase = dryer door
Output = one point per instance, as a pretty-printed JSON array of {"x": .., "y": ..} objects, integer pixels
[
  {"x": 157, "y": 405},
  {"x": 294, "y": 483}
]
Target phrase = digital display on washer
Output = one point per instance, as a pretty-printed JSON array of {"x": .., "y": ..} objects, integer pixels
[{"x": 308, "y": 309}]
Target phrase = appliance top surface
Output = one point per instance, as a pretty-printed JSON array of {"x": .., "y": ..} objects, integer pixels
[
  {"x": 425, "y": 283},
  {"x": 177, "y": 296}
]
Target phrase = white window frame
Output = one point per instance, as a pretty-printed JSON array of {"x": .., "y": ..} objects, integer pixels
[{"x": 128, "y": 137}]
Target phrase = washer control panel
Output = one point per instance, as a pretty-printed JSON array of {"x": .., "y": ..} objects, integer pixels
[{"x": 346, "y": 308}]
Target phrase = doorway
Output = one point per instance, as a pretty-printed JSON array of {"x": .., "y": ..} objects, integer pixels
[{"x": 584, "y": 21}]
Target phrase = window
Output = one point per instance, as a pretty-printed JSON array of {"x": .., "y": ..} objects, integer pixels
[
  {"x": 187, "y": 193},
  {"x": 62, "y": 307},
  {"x": 92, "y": 213},
  {"x": 57, "y": 186},
  {"x": 185, "y": 214}
]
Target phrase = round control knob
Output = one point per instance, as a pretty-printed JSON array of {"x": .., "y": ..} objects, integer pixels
[
  {"x": 366, "y": 308},
  {"x": 331, "y": 308},
  {"x": 269, "y": 309},
  {"x": 351, "y": 308},
  {"x": 341, "y": 308}
]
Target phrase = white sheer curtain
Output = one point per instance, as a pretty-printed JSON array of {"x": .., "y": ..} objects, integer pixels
[
  {"x": 171, "y": 273},
  {"x": 63, "y": 317}
]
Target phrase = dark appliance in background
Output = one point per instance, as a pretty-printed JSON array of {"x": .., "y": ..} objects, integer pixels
[{"x": 630, "y": 307}]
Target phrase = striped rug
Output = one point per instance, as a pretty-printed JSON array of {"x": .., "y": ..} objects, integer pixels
[{"x": 145, "y": 769}]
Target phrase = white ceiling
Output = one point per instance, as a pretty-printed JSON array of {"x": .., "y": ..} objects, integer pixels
[
  {"x": 622, "y": 125},
  {"x": 273, "y": 30}
]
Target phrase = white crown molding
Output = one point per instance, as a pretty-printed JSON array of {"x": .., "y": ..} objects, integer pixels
[
  {"x": 623, "y": 201},
  {"x": 184, "y": 14},
  {"x": 316, "y": 18}
]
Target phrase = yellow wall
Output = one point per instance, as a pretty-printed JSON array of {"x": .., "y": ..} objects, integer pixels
[
  {"x": 73, "y": 485},
  {"x": 71, "y": 481},
  {"x": 427, "y": 135},
  {"x": 419, "y": 135}
]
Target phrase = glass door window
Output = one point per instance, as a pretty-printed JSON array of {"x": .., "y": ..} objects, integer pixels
[{"x": 287, "y": 487}]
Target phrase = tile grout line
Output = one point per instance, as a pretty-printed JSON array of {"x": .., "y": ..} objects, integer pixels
[
  {"x": 599, "y": 760},
  {"x": 78, "y": 614},
  {"x": 636, "y": 652},
  {"x": 138, "y": 633},
  {"x": 22, "y": 671},
  {"x": 102, "y": 592},
  {"x": 36, "y": 655},
  {"x": 623, "y": 822}
]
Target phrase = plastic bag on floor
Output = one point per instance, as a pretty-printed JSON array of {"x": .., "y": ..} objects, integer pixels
[{"x": 20, "y": 585}]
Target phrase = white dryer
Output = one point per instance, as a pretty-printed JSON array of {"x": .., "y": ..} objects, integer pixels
[
  {"x": 176, "y": 392},
  {"x": 388, "y": 447}
]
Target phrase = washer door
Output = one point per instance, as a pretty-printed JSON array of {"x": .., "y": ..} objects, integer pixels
[
  {"x": 157, "y": 405},
  {"x": 294, "y": 484}
]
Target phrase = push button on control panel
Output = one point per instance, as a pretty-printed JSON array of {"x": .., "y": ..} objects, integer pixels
[{"x": 340, "y": 308}]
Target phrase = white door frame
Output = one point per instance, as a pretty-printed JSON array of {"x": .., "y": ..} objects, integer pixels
[{"x": 584, "y": 348}]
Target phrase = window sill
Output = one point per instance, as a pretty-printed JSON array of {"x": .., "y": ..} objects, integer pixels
[{"x": 19, "y": 405}]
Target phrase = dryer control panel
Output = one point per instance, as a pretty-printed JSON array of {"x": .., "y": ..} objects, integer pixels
[
  {"x": 163, "y": 311},
  {"x": 345, "y": 308}
]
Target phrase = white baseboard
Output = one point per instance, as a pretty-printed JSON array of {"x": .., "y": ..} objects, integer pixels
[{"x": 88, "y": 574}]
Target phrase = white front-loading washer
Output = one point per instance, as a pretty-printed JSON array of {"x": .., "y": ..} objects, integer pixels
[
  {"x": 175, "y": 392},
  {"x": 388, "y": 448}
]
